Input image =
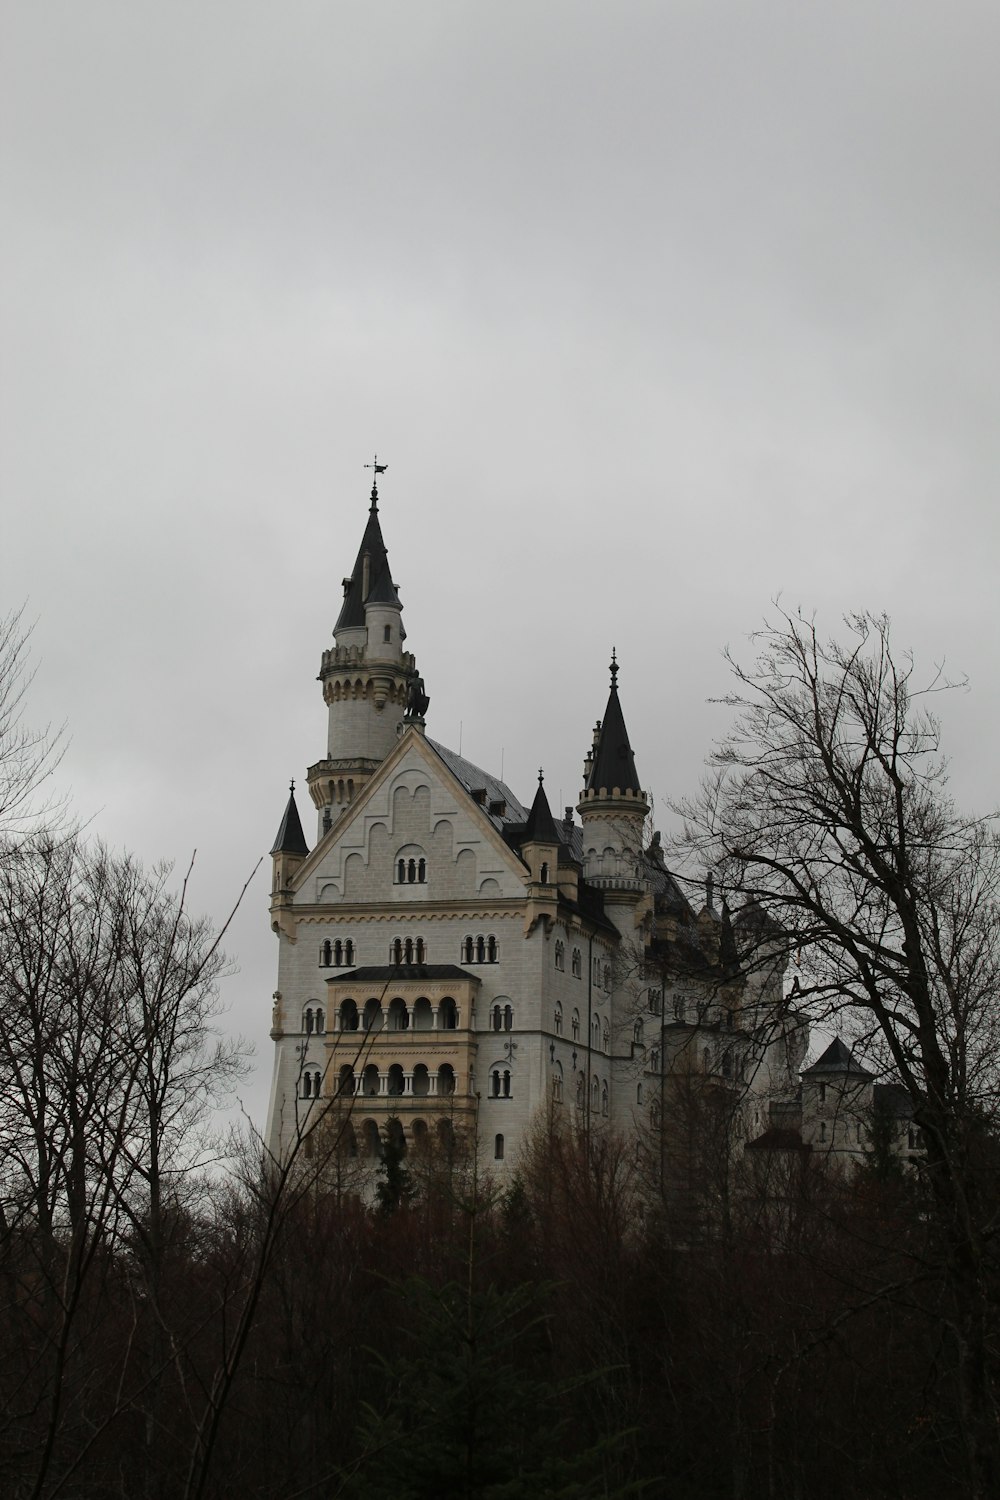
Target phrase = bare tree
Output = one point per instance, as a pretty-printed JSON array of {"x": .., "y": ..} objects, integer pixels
[
  {"x": 27, "y": 756},
  {"x": 828, "y": 808}
]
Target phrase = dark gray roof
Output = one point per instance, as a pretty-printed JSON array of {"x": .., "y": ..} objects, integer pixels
[
  {"x": 614, "y": 763},
  {"x": 381, "y": 588},
  {"x": 837, "y": 1059},
  {"x": 403, "y": 972},
  {"x": 475, "y": 779},
  {"x": 290, "y": 839},
  {"x": 540, "y": 827}
]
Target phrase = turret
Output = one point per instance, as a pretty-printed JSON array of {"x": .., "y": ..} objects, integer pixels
[
  {"x": 613, "y": 808},
  {"x": 289, "y": 850},
  {"x": 540, "y": 852},
  {"x": 370, "y": 683}
]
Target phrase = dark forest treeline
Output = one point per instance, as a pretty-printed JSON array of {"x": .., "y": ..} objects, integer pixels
[{"x": 554, "y": 1337}]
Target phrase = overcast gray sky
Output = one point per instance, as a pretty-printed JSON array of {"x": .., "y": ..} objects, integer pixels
[{"x": 655, "y": 311}]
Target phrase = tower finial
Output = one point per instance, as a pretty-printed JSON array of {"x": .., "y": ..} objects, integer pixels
[
  {"x": 541, "y": 775},
  {"x": 378, "y": 469},
  {"x": 614, "y": 668},
  {"x": 291, "y": 786}
]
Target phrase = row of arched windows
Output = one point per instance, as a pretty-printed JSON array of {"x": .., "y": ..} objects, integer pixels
[
  {"x": 337, "y": 954},
  {"x": 502, "y": 1017},
  {"x": 411, "y": 871},
  {"x": 422, "y": 1015},
  {"x": 577, "y": 959},
  {"x": 600, "y": 1031},
  {"x": 480, "y": 950},
  {"x": 313, "y": 1019},
  {"x": 312, "y": 1082},
  {"x": 397, "y": 1082},
  {"x": 601, "y": 975},
  {"x": 408, "y": 951},
  {"x": 368, "y": 1144}
]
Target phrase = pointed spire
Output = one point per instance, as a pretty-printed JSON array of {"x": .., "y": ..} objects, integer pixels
[
  {"x": 290, "y": 839},
  {"x": 613, "y": 761},
  {"x": 540, "y": 827},
  {"x": 371, "y": 578},
  {"x": 837, "y": 1059},
  {"x": 729, "y": 957}
]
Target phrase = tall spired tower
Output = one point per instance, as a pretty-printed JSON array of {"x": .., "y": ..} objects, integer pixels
[{"x": 370, "y": 684}]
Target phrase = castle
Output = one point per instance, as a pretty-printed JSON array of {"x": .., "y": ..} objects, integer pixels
[{"x": 452, "y": 962}]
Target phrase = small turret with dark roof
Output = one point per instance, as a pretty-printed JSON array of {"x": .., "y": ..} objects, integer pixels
[
  {"x": 540, "y": 827},
  {"x": 290, "y": 839},
  {"x": 837, "y": 1060}
]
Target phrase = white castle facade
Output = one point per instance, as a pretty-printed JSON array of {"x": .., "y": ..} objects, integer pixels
[{"x": 453, "y": 963}]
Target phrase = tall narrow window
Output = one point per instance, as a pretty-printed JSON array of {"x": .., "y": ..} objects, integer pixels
[
  {"x": 326, "y": 954},
  {"x": 480, "y": 951},
  {"x": 467, "y": 951},
  {"x": 491, "y": 950},
  {"x": 420, "y": 950},
  {"x": 495, "y": 1083},
  {"x": 408, "y": 951},
  {"x": 496, "y": 1018},
  {"x": 349, "y": 954},
  {"x": 498, "y": 1148},
  {"x": 508, "y": 1017},
  {"x": 506, "y": 1084},
  {"x": 421, "y": 870},
  {"x": 401, "y": 871},
  {"x": 545, "y": 873},
  {"x": 559, "y": 1020},
  {"x": 411, "y": 871}
]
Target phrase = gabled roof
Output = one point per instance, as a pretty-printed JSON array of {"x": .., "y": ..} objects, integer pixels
[
  {"x": 614, "y": 763},
  {"x": 290, "y": 839},
  {"x": 381, "y": 589},
  {"x": 475, "y": 779},
  {"x": 837, "y": 1059},
  {"x": 540, "y": 827}
]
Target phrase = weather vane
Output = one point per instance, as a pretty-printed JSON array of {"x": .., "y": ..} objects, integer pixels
[{"x": 379, "y": 468}]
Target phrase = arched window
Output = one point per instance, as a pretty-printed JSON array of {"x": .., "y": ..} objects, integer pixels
[
  {"x": 399, "y": 1016},
  {"x": 421, "y": 870},
  {"x": 395, "y": 1082},
  {"x": 604, "y": 1100},
  {"x": 559, "y": 1018},
  {"x": 577, "y": 964},
  {"x": 822, "y": 1130},
  {"x": 595, "y": 1031},
  {"x": 420, "y": 950},
  {"x": 307, "y": 1084},
  {"x": 447, "y": 1015},
  {"x": 338, "y": 953},
  {"x": 607, "y": 977},
  {"x": 371, "y": 1019},
  {"x": 397, "y": 951},
  {"x": 654, "y": 1059},
  {"x": 637, "y": 1033},
  {"x": 467, "y": 951},
  {"x": 595, "y": 1094},
  {"x": 326, "y": 954},
  {"x": 408, "y": 951},
  {"x": 498, "y": 1148},
  {"x": 506, "y": 1083},
  {"x": 654, "y": 1115},
  {"x": 349, "y": 954},
  {"x": 347, "y": 1083},
  {"x": 557, "y": 1083},
  {"x": 545, "y": 872},
  {"x": 495, "y": 1084},
  {"x": 348, "y": 1015},
  {"x": 560, "y": 956},
  {"x": 727, "y": 1065},
  {"x": 480, "y": 950},
  {"x": 581, "y": 1090},
  {"x": 496, "y": 1018},
  {"x": 387, "y": 634},
  {"x": 491, "y": 950},
  {"x": 575, "y": 1025},
  {"x": 607, "y": 1037},
  {"x": 706, "y": 1058},
  {"x": 308, "y": 1018},
  {"x": 400, "y": 871},
  {"x": 370, "y": 1080},
  {"x": 508, "y": 1017},
  {"x": 446, "y": 1079},
  {"x": 319, "y": 1019}
]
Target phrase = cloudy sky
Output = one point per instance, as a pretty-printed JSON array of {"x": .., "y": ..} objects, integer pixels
[{"x": 655, "y": 310}]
